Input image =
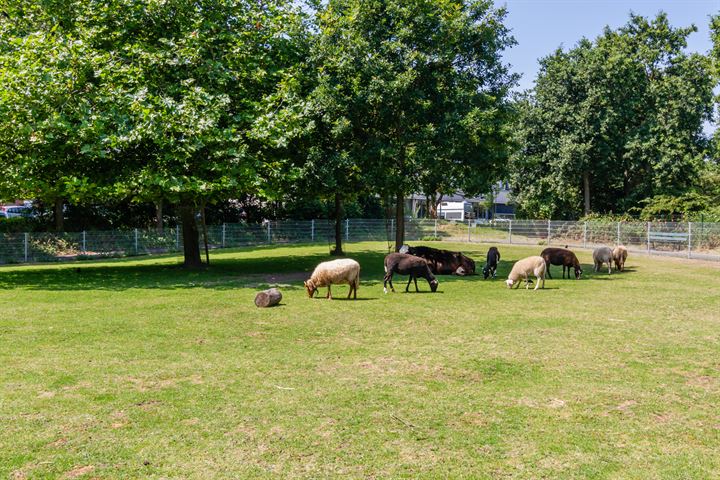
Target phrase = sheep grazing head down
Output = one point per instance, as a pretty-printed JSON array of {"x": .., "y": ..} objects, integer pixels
[
  {"x": 509, "y": 283},
  {"x": 433, "y": 284},
  {"x": 311, "y": 288}
]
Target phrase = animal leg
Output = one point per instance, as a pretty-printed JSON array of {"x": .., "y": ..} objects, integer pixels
[
  {"x": 609, "y": 268},
  {"x": 388, "y": 279},
  {"x": 357, "y": 282},
  {"x": 329, "y": 294},
  {"x": 352, "y": 285},
  {"x": 416, "y": 287},
  {"x": 407, "y": 287},
  {"x": 548, "y": 270}
]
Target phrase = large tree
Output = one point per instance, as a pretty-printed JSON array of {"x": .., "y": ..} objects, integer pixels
[
  {"x": 407, "y": 88},
  {"x": 56, "y": 120},
  {"x": 613, "y": 121},
  {"x": 145, "y": 100}
]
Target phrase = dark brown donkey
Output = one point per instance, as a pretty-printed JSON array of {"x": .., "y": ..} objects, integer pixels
[{"x": 564, "y": 257}]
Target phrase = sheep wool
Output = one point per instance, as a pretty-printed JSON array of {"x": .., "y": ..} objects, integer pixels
[
  {"x": 524, "y": 268},
  {"x": 603, "y": 255},
  {"x": 344, "y": 270},
  {"x": 620, "y": 254}
]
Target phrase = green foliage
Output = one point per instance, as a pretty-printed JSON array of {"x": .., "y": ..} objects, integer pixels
[
  {"x": 625, "y": 110},
  {"x": 674, "y": 207},
  {"x": 405, "y": 94}
]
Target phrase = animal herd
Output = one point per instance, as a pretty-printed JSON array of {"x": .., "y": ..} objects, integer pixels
[{"x": 426, "y": 262}]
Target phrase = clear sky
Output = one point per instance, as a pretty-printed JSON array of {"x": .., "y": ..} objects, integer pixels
[{"x": 540, "y": 26}]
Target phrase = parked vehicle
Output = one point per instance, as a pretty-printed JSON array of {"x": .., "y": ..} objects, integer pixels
[{"x": 16, "y": 211}]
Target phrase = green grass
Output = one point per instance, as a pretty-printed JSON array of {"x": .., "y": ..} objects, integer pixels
[{"x": 138, "y": 369}]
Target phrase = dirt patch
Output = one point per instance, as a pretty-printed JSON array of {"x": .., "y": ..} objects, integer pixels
[
  {"x": 702, "y": 381},
  {"x": 79, "y": 471},
  {"x": 58, "y": 443},
  {"x": 556, "y": 403},
  {"x": 145, "y": 384},
  {"x": 626, "y": 405},
  {"x": 662, "y": 417}
]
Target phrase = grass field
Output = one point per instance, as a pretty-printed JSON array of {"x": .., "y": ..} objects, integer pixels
[{"x": 138, "y": 369}]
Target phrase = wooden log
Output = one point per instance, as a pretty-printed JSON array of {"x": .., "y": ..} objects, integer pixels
[{"x": 268, "y": 298}]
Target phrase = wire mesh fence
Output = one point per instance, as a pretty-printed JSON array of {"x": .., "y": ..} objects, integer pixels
[{"x": 692, "y": 240}]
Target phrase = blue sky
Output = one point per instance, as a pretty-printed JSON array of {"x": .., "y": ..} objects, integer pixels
[{"x": 540, "y": 26}]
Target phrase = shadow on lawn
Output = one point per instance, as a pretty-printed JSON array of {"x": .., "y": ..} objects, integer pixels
[
  {"x": 287, "y": 271},
  {"x": 224, "y": 273}
]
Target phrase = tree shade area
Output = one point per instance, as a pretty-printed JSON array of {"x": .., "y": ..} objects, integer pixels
[{"x": 187, "y": 106}]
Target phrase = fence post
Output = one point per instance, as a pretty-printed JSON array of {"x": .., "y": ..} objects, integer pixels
[
  {"x": 648, "y": 238},
  {"x": 618, "y": 233},
  {"x": 136, "y": 241},
  {"x": 584, "y": 234},
  {"x": 548, "y": 236},
  {"x": 223, "y": 235},
  {"x": 177, "y": 238},
  {"x": 312, "y": 230},
  {"x": 689, "y": 239},
  {"x": 347, "y": 229},
  {"x": 268, "y": 232},
  {"x": 27, "y": 238},
  {"x": 510, "y": 231},
  {"x": 84, "y": 243}
]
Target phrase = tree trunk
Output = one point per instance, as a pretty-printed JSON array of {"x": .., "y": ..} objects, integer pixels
[
  {"x": 191, "y": 240},
  {"x": 338, "y": 225},
  {"x": 159, "y": 216},
  {"x": 59, "y": 215},
  {"x": 399, "y": 221},
  {"x": 586, "y": 191},
  {"x": 268, "y": 298},
  {"x": 432, "y": 203},
  {"x": 205, "y": 234}
]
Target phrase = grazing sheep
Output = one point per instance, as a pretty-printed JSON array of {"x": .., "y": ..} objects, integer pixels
[
  {"x": 564, "y": 257},
  {"x": 344, "y": 270},
  {"x": 490, "y": 268},
  {"x": 524, "y": 268},
  {"x": 603, "y": 255},
  {"x": 406, "y": 264},
  {"x": 620, "y": 255}
]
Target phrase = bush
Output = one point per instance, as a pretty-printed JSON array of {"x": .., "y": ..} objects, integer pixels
[{"x": 684, "y": 207}]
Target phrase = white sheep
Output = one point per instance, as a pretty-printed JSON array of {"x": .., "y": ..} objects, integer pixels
[
  {"x": 603, "y": 255},
  {"x": 524, "y": 268},
  {"x": 344, "y": 270}
]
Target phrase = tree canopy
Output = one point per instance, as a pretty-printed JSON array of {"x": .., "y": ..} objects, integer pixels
[{"x": 613, "y": 121}]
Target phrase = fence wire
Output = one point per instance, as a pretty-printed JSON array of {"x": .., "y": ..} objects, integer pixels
[{"x": 688, "y": 239}]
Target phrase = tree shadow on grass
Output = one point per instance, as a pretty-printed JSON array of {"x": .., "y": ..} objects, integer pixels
[{"x": 287, "y": 270}]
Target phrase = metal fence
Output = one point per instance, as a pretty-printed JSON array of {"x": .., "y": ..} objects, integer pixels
[{"x": 692, "y": 240}]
